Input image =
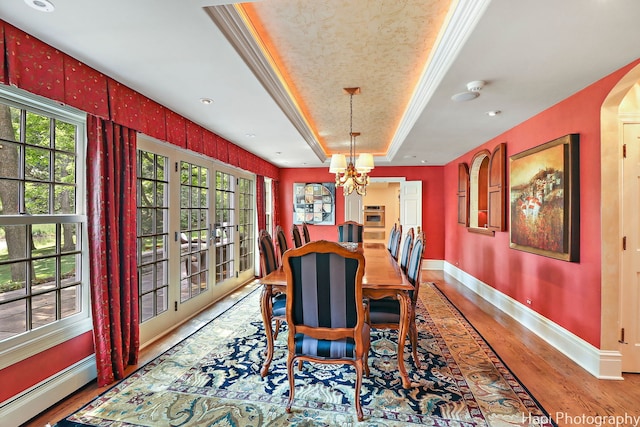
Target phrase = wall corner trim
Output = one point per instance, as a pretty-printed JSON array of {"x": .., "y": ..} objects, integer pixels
[{"x": 603, "y": 364}]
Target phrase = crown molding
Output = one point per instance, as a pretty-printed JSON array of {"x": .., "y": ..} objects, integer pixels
[
  {"x": 461, "y": 22},
  {"x": 233, "y": 26}
]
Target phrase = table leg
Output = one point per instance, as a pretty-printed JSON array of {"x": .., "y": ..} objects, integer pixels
[
  {"x": 405, "y": 310},
  {"x": 265, "y": 308}
]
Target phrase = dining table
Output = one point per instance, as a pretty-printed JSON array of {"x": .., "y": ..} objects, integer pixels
[{"x": 383, "y": 278}]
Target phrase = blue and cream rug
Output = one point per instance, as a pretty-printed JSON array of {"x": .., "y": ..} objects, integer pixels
[{"x": 212, "y": 378}]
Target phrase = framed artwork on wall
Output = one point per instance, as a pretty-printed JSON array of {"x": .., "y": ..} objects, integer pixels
[
  {"x": 314, "y": 203},
  {"x": 544, "y": 199}
]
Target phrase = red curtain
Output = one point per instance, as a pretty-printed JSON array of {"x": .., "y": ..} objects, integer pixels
[
  {"x": 275, "y": 189},
  {"x": 111, "y": 169}
]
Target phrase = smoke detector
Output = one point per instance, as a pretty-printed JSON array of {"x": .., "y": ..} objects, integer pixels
[
  {"x": 473, "y": 91},
  {"x": 41, "y": 5}
]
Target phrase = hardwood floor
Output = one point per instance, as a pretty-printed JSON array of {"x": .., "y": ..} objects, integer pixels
[{"x": 571, "y": 395}]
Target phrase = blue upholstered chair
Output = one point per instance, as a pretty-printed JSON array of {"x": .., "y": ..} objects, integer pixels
[
  {"x": 325, "y": 310},
  {"x": 350, "y": 231},
  {"x": 395, "y": 244},
  {"x": 392, "y": 234},
  {"x": 296, "y": 238},
  {"x": 305, "y": 233},
  {"x": 385, "y": 313},
  {"x": 275, "y": 303},
  {"x": 407, "y": 245},
  {"x": 281, "y": 244}
]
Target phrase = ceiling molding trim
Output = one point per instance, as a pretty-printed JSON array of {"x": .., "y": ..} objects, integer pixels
[
  {"x": 460, "y": 25},
  {"x": 230, "y": 22}
]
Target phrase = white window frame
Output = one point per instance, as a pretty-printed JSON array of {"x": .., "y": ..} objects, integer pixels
[{"x": 30, "y": 343}]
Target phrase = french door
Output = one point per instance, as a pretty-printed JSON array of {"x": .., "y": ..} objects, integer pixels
[{"x": 196, "y": 232}]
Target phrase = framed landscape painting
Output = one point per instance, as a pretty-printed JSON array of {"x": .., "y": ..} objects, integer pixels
[{"x": 544, "y": 199}]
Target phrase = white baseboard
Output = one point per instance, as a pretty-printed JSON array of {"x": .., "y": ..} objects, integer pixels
[
  {"x": 47, "y": 393},
  {"x": 432, "y": 264},
  {"x": 602, "y": 364}
]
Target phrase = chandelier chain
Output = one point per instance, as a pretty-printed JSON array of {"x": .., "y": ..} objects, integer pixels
[{"x": 352, "y": 175}]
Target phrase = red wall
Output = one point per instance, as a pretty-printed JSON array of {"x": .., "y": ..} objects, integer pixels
[
  {"x": 432, "y": 201},
  {"x": 565, "y": 292},
  {"x": 20, "y": 376}
]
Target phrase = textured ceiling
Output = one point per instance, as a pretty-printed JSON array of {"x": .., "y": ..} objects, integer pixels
[
  {"x": 321, "y": 47},
  {"x": 532, "y": 54}
]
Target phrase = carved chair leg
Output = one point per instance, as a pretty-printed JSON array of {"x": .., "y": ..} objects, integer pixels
[
  {"x": 276, "y": 330},
  {"x": 358, "y": 366},
  {"x": 290, "y": 361}
]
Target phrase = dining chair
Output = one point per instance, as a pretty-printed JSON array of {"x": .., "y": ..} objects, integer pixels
[
  {"x": 325, "y": 310},
  {"x": 281, "y": 244},
  {"x": 350, "y": 231},
  {"x": 407, "y": 245},
  {"x": 392, "y": 234},
  {"x": 276, "y": 303},
  {"x": 395, "y": 245},
  {"x": 305, "y": 233},
  {"x": 295, "y": 236},
  {"x": 385, "y": 313}
]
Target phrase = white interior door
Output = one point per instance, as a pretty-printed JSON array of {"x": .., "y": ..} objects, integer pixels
[
  {"x": 410, "y": 206},
  {"x": 353, "y": 208},
  {"x": 630, "y": 289}
]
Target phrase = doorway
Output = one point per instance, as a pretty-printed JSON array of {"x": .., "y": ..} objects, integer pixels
[{"x": 616, "y": 109}]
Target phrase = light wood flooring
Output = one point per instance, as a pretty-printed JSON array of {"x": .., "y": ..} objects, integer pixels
[{"x": 571, "y": 395}]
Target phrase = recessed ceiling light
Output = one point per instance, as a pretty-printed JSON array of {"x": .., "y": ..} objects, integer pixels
[
  {"x": 493, "y": 113},
  {"x": 41, "y": 5},
  {"x": 206, "y": 101}
]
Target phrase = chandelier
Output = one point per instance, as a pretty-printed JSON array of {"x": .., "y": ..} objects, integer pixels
[{"x": 353, "y": 175}]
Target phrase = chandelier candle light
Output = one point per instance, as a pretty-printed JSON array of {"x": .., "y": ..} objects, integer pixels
[{"x": 354, "y": 175}]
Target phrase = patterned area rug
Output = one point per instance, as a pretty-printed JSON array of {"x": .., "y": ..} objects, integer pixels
[{"x": 212, "y": 379}]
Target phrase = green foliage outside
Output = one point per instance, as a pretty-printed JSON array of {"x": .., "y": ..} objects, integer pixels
[{"x": 37, "y": 159}]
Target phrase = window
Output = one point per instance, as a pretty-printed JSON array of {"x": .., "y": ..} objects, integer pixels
[
  {"x": 268, "y": 196},
  {"x": 43, "y": 270}
]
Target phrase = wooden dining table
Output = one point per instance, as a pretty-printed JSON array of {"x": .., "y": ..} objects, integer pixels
[{"x": 383, "y": 278}]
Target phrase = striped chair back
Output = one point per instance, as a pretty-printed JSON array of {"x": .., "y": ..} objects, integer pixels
[
  {"x": 305, "y": 233},
  {"x": 406, "y": 250},
  {"x": 350, "y": 231},
  {"x": 281, "y": 243},
  {"x": 295, "y": 236},
  {"x": 395, "y": 245},
  {"x": 415, "y": 266},
  {"x": 268, "y": 261},
  {"x": 324, "y": 290}
]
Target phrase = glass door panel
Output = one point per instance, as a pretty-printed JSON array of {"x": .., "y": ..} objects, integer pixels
[
  {"x": 152, "y": 233},
  {"x": 225, "y": 226},
  {"x": 194, "y": 230}
]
